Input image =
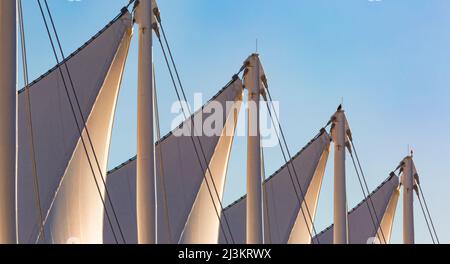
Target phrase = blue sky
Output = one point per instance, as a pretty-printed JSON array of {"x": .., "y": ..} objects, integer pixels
[{"x": 388, "y": 60}]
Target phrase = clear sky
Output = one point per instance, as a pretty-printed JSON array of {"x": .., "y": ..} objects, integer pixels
[{"x": 389, "y": 60}]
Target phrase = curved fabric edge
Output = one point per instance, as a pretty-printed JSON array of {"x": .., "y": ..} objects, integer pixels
[
  {"x": 385, "y": 230},
  {"x": 302, "y": 231},
  {"x": 282, "y": 206},
  {"x": 55, "y": 133},
  {"x": 360, "y": 225},
  {"x": 203, "y": 224},
  {"x": 178, "y": 189},
  {"x": 80, "y": 49},
  {"x": 76, "y": 215}
]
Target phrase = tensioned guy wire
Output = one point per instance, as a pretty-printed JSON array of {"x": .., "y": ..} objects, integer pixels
[
  {"x": 30, "y": 119},
  {"x": 196, "y": 150},
  {"x": 84, "y": 121},
  {"x": 285, "y": 156},
  {"x": 367, "y": 188},
  {"x": 428, "y": 212},
  {"x": 72, "y": 108},
  {"x": 185, "y": 98},
  {"x": 367, "y": 202}
]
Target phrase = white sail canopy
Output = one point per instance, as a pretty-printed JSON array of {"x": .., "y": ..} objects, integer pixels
[
  {"x": 70, "y": 202},
  {"x": 284, "y": 221},
  {"x": 203, "y": 224},
  {"x": 360, "y": 225},
  {"x": 184, "y": 204}
]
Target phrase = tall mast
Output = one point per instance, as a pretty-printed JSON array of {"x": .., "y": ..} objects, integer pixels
[
  {"x": 8, "y": 68},
  {"x": 145, "y": 171},
  {"x": 408, "y": 201},
  {"x": 254, "y": 219},
  {"x": 340, "y": 232}
]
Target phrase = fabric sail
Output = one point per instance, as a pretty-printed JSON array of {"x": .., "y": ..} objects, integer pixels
[
  {"x": 303, "y": 228},
  {"x": 283, "y": 216},
  {"x": 361, "y": 229},
  {"x": 70, "y": 203},
  {"x": 184, "y": 204},
  {"x": 203, "y": 223}
]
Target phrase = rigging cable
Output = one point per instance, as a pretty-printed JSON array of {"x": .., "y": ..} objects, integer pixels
[
  {"x": 365, "y": 183},
  {"x": 293, "y": 182},
  {"x": 366, "y": 201},
  {"x": 425, "y": 216},
  {"x": 289, "y": 171},
  {"x": 197, "y": 152},
  {"x": 428, "y": 212},
  {"x": 161, "y": 161},
  {"x": 266, "y": 199},
  {"x": 157, "y": 15},
  {"x": 102, "y": 177},
  {"x": 76, "y": 121},
  {"x": 30, "y": 119}
]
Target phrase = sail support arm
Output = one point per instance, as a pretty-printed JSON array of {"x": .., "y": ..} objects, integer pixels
[
  {"x": 8, "y": 73},
  {"x": 146, "y": 191},
  {"x": 408, "y": 201},
  {"x": 340, "y": 233},
  {"x": 254, "y": 220}
]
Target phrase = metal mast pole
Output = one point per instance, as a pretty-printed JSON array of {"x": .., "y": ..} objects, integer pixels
[
  {"x": 408, "y": 201},
  {"x": 254, "y": 219},
  {"x": 145, "y": 171},
  {"x": 340, "y": 233},
  {"x": 8, "y": 71}
]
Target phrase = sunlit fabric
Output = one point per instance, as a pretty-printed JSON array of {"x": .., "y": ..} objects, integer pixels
[
  {"x": 183, "y": 200},
  {"x": 360, "y": 225},
  {"x": 71, "y": 205},
  {"x": 282, "y": 205}
]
